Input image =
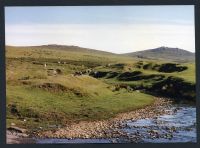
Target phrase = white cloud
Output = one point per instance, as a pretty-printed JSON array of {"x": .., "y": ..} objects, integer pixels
[{"x": 118, "y": 38}]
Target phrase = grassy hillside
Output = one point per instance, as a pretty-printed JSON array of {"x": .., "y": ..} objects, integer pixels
[
  {"x": 55, "y": 85},
  {"x": 158, "y": 78},
  {"x": 165, "y": 53},
  {"x": 68, "y": 99},
  {"x": 41, "y": 97}
]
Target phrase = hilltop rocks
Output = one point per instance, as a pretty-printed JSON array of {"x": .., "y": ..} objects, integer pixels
[{"x": 165, "y": 53}]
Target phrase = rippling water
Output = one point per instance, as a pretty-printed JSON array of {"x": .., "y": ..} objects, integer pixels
[{"x": 177, "y": 127}]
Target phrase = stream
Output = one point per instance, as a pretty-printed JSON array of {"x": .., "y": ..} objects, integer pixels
[{"x": 179, "y": 126}]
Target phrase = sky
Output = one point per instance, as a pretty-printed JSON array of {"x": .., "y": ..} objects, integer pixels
[{"x": 117, "y": 29}]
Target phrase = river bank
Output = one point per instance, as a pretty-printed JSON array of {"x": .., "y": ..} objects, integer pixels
[
  {"x": 161, "y": 122},
  {"x": 105, "y": 128},
  {"x": 178, "y": 126}
]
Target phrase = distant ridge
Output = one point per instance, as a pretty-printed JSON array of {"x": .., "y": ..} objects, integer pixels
[
  {"x": 71, "y": 48},
  {"x": 160, "y": 53},
  {"x": 175, "y": 54}
]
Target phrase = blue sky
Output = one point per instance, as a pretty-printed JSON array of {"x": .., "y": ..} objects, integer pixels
[{"x": 118, "y": 29}]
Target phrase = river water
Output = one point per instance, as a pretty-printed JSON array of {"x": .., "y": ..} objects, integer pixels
[{"x": 179, "y": 126}]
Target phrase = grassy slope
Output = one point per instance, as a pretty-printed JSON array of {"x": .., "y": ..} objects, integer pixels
[
  {"x": 41, "y": 107},
  {"x": 180, "y": 85},
  {"x": 84, "y": 98},
  {"x": 188, "y": 75},
  {"x": 174, "y": 54}
]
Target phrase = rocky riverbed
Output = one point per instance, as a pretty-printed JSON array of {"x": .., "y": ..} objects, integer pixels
[
  {"x": 107, "y": 128},
  {"x": 159, "y": 122},
  {"x": 177, "y": 126}
]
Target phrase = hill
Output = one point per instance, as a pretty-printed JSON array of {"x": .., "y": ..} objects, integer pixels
[
  {"x": 58, "y": 85},
  {"x": 167, "y": 53},
  {"x": 69, "y": 48}
]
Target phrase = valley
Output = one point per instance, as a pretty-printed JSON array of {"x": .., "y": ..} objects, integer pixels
[{"x": 52, "y": 86}]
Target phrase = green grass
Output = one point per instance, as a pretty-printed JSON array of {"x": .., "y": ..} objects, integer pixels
[
  {"x": 66, "y": 107},
  {"x": 84, "y": 97},
  {"x": 188, "y": 75}
]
